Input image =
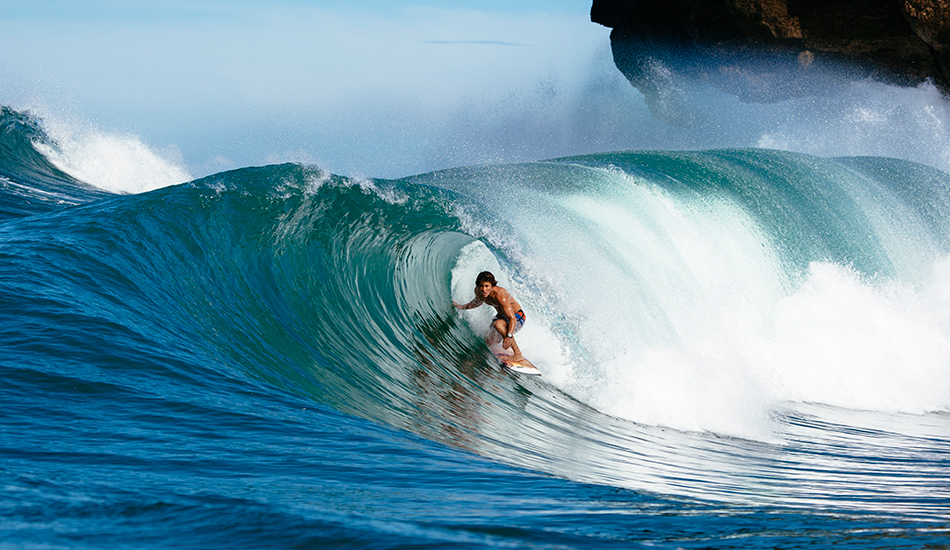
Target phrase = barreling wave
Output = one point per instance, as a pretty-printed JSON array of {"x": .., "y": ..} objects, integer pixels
[{"x": 750, "y": 294}]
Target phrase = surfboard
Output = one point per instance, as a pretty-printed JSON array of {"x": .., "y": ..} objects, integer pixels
[{"x": 523, "y": 366}]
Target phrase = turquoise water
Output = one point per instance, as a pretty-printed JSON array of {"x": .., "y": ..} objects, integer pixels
[{"x": 741, "y": 349}]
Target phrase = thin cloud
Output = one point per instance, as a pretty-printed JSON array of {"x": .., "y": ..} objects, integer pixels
[{"x": 475, "y": 42}]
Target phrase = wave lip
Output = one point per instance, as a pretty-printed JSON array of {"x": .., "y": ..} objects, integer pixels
[
  {"x": 113, "y": 162},
  {"x": 30, "y": 182},
  {"x": 46, "y": 164}
]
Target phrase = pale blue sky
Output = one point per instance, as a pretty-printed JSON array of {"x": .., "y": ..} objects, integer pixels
[
  {"x": 137, "y": 9},
  {"x": 231, "y": 83}
]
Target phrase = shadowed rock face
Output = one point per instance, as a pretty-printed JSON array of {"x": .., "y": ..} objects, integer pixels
[{"x": 771, "y": 50}]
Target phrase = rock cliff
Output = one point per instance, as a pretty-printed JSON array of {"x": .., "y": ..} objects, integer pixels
[{"x": 770, "y": 50}]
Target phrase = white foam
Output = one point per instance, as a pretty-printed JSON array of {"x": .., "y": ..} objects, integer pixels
[
  {"x": 662, "y": 314},
  {"x": 680, "y": 314},
  {"x": 116, "y": 162},
  {"x": 388, "y": 194},
  {"x": 843, "y": 341},
  {"x": 837, "y": 340}
]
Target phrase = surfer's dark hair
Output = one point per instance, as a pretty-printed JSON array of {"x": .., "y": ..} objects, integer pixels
[{"x": 485, "y": 276}]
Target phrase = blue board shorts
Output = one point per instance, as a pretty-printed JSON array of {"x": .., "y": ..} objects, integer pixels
[{"x": 519, "y": 319}]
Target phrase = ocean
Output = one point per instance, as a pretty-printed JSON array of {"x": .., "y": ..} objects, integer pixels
[{"x": 741, "y": 348}]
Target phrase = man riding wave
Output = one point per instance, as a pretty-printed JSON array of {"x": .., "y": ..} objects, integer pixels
[{"x": 509, "y": 316}]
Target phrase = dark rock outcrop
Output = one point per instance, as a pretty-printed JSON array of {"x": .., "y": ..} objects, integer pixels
[{"x": 771, "y": 50}]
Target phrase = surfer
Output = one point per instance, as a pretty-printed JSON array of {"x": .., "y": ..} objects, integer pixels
[{"x": 509, "y": 318}]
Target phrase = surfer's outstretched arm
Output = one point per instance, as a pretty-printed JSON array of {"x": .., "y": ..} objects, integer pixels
[{"x": 471, "y": 305}]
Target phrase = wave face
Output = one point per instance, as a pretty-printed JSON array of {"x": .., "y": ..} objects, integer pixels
[{"x": 735, "y": 343}]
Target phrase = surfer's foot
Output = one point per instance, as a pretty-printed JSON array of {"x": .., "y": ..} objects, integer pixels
[{"x": 515, "y": 358}]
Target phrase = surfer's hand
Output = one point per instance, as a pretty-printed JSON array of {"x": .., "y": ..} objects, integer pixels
[{"x": 506, "y": 343}]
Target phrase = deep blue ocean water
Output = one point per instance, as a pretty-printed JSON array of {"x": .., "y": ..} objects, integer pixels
[{"x": 741, "y": 349}]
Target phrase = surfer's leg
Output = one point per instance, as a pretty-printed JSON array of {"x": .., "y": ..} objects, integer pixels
[
  {"x": 520, "y": 316},
  {"x": 501, "y": 326},
  {"x": 497, "y": 335},
  {"x": 517, "y": 355}
]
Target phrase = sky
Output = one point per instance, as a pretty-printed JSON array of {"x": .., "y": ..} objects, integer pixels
[
  {"x": 338, "y": 83},
  {"x": 382, "y": 88}
]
